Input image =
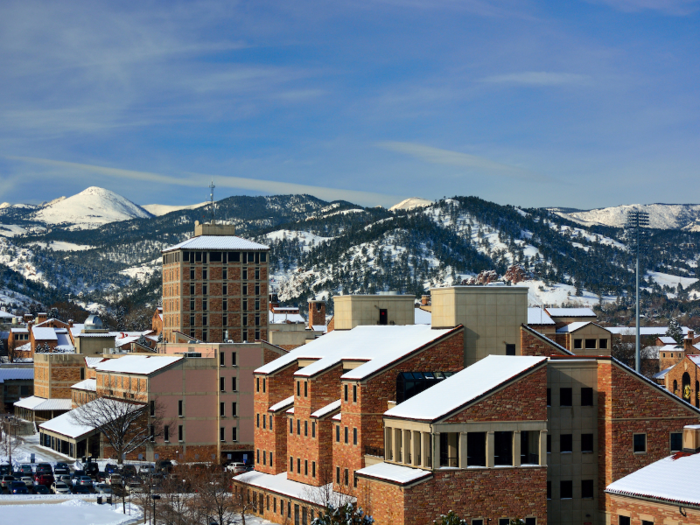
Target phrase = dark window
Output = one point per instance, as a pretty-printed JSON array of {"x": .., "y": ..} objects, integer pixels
[
  {"x": 234, "y": 256},
  {"x": 257, "y": 424},
  {"x": 337, "y": 433},
  {"x": 264, "y": 386},
  {"x": 647, "y": 522},
  {"x": 214, "y": 256},
  {"x": 354, "y": 436},
  {"x": 603, "y": 343},
  {"x": 234, "y": 434},
  {"x": 222, "y": 385},
  {"x": 503, "y": 448},
  {"x": 578, "y": 343},
  {"x": 566, "y": 490},
  {"x": 587, "y": 489},
  {"x": 345, "y": 392},
  {"x": 383, "y": 316},
  {"x": 313, "y": 469},
  {"x": 179, "y": 407},
  {"x": 503, "y": 521},
  {"x": 586, "y": 442},
  {"x": 233, "y": 384},
  {"x": 298, "y": 388},
  {"x": 530, "y": 521},
  {"x": 306, "y": 428},
  {"x": 623, "y": 520},
  {"x": 222, "y": 359},
  {"x": 245, "y": 289},
  {"x": 590, "y": 343},
  {"x": 291, "y": 426},
  {"x": 82, "y": 374},
  {"x": 313, "y": 429},
  {"x": 640, "y": 442},
  {"x": 166, "y": 433},
  {"x": 549, "y": 397},
  {"x": 306, "y": 467},
  {"x": 510, "y": 349},
  {"x": 179, "y": 432},
  {"x": 476, "y": 449},
  {"x": 676, "y": 441},
  {"x": 291, "y": 464},
  {"x": 233, "y": 359},
  {"x": 298, "y": 427},
  {"x": 346, "y": 435},
  {"x": 354, "y": 393},
  {"x": 478, "y": 522},
  {"x": 565, "y": 397},
  {"x": 263, "y": 257},
  {"x": 337, "y": 475},
  {"x": 549, "y": 443},
  {"x": 224, "y": 275},
  {"x": 346, "y": 477},
  {"x": 306, "y": 389},
  {"x": 222, "y": 409},
  {"x": 549, "y": 490},
  {"x": 566, "y": 443},
  {"x": 222, "y": 437},
  {"x": 152, "y": 406},
  {"x": 586, "y": 397},
  {"x": 234, "y": 413},
  {"x": 197, "y": 256},
  {"x": 529, "y": 448}
]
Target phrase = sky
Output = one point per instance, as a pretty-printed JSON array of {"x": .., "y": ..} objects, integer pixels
[{"x": 581, "y": 104}]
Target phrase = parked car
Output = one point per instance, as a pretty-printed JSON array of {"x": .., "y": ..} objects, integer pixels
[
  {"x": 28, "y": 481},
  {"x": 26, "y": 469},
  {"x": 85, "y": 481},
  {"x": 164, "y": 465},
  {"x": 41, "y": 489},
  {"x": 134, "y": 486},
  {"x": 128, "y": 471},
  {"x": 60, "y": 488},
  {"x": 103, "y": 488},
  {"x": 111, "y": 468},
  {"x": 5, "y": 470},
  {"x": 65, "y": 478},
  {"x": 115, "y": 479},
  {"x": 236, "y": 468},
  {"x": 80, "y": 489},
  {"x": 6, "y": 481},
  {"x": 147, "y": 469},
  {"x": 61, "y": 468},
  {"x": 17, "y": 487},
  {"x": 44, "y": 468},
  {"x": 91, "y": 469},
  {"x": 44, "y": 479}
]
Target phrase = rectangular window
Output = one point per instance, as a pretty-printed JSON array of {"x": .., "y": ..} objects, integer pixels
[
  {"x": 263, "y": 385},
  {"x": 623, "y": 520},
  {"x": 204, "y": 304},
  {"x": 234, "y": 413},
  {"x": 313, "y": 429},
  {"x": 234, "y": 256},
  {"x": 205, "y": 321},
  {"x": 337, "y": 475},
  {"x": 603, "y": 344},
  {"x": 354, "y": 393},
  {"x": 192, "y": 291},
  {"x": 676, "y": 441},
  {"x": 590, "y": 343},
  {"x": 257, "y": 289},
  {"x": 245, "y": 305},
  {"x": 179, "y": 432},
  {"x": 586, "y": 397},
  {"x": 306, "y": 428},
  {"x": 549, "y": 490},
  {"x": 566, "y": 443},
  {"x": 291, "y": 464},
  {"x": 503, "y": 521},
  {"x": 306, "y": 467},
  {"x": 291, "y": 426},
  {"x": 257, "y": 304},
  {"x": 549, "y": 443},
  {"x": 346, "y": 435},
  {"x": 192, "y": 305},
  {"x": 298, "y": 388},
  {"x": 179, "y": 408},
  {"x": 337, "y": 433},
  {"x": 354, "y": 436},
  {"x": 222, "y": 437},
  {"x": 578, "y": 343},
  {"x": 476, "y": 449},
  {"x": 224, "y": 290},
  {"x": 192, "y": 323},
  {"x": 306, "y": 389},
  {"x": 257, "y": 423},
  {"x": 264, "y": 422},
  {"x": 565, "y": 397},
  {"x": 477, "y": 521},
  {"x": 257, "y": 384},
  {"x": 346, "y": 477},
  {"x": 503, "y": 448},
  {"x": 644, "y": 522},
  {"x": 587, "y": 489},
  {"x": 566, "y": 489},
  {"x": 530, "y": 447},
  {"x": 222, "y": 359},
  {"x": 298, "y": 465},
  {"x": 549, "y": 397},
  {"x": 245, "y": 289},
  {"x": 245, "y": 273},
  {"x": 298, "y": 427},
  {"x": 510, "y": 349},
  {"x": 586, "y": 442},
  {"x": 222, "y": 409},
  {"x": 166, "y": 433},
  {"x": 204, "y": 289},
  {"x": 224, "y": 274},
  {"x": 233, "y": 384},
  {"x": 222, "y": 384},
  {"x": 204, "y": 273},
  {"x": 530, "y": 521},
  {"x": 639, "y": 443},
  {"x": 345, "y": 390},
  {"x": 313, "y": 469},
  {"x": 233, "y": 358},
  {"x": 270, "y": 421},
  {"x": 152, "y": 407}
]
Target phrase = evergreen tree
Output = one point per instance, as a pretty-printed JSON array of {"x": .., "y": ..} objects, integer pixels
[{"x": 675, "y": 331}]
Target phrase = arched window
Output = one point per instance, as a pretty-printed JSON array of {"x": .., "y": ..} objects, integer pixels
[
  {"x": 686, "y": 392},
  {"x": 675, "y": 386}
]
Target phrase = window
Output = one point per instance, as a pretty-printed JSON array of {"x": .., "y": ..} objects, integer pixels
[
  {"x": 192, "y": 304},
  {"x": 222, "y": 359},
  {"x": 257, "y": 423},
  {"x": 354, "y": 436},
  {"x": 510, "y": 349},
  {"x": 566, "y": 443},
  {"x": 306, "y": 428},
  {"x": 337, "y": 433},
  {"x": 264, "y": 422},
  {"x": 179, "y": 408},
  {"x": 578, "y": 343},
  {"x": 222, "y": 384},
  {"x": 270, "y": 421},
  {"x": 590, "y": 343},
  {"x": 478, "y": 522},
  {"x": 530, "y": 448},
  {"x": 152, "y": 407},
  {"x": 549, "y": 443},
  {"x": 298, "y": 427},
  {"x": 639, "y": 443},
  {"x": 346, "y": 477},
  {"x": 245, "y": 289},
  {"x": 549, "y": 397},
  {"x": 245, "y": 305},
  {"x": 222, "y": 437},
  {"x": 383, "y": 317},
  {"x": 192, "y": 291},
  {"x": 549, "y": 490},
  {"x": 354, "y": 393},
  {"x": 204, "y": 335},
  {"x": 224, "y": 290},
  {"x": 257, "y": 384},
  {"x": 586, "y": 442},
  {"x": 224, "y": 274},
  {"x": 152, "y": 432},
  {"x": 263, "y": 385},
  {"x": 476, "y": 449},
  {"x": 531, "y": 521},
  {"x": 587, "y": 489},
  {"x": 623, "y": 520},
  {"x": 233, "y": 384},
  {"x": 245, "y": 273},
  {"x": 337, "y": 475},
  {"x": 306, "y": 467},
  {"x": 647, "y": 522},
  {"x": 306, "y": 389},
  {"x": 313, "y": 469},
  {"x": 234, "y": 413},
  {"x": 291, "y": 464},
  {"x": 82, "y": 373},
  {"x": 233, "y": 358},
  {"x": 298, "y": 465},
  {"x": 204, "y": 304},
  {"x": 566, "y": 489},
  {"x": 192, "y": 320},
  {"x": 205, "y": 321},
  {"x": 298, "y": 388},
  {"x": 503, "y": 521},
  {"x": 291, "y": 426},
  {"x": 166, "y": 433},
  {"x": 204, "y": 289},
  {"x": 257, "y": 289},
  {"x": 676, "y": 441},
  {"x": 503, "y": 448},
  {"x": 346, "y": 435},
  {"x": 587, "y": 397},
  {"x": 603, "y": 344},
  {"x": 565, "y": 397},
  {"x": 234, "y": 434},
  {"x": 222, "y": 409},
  {"x": 345, "y": 390},
  {"x": 179, "y": 432}
]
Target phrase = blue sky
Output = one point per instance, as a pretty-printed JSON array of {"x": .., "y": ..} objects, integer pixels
[{"x": 580, "y": 104}]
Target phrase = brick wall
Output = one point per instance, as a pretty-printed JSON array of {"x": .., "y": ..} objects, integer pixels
[
  {"x": 686, "y": 366},
  {"x": 639, "y": 510},
  {"x": 535, "y": 345}
]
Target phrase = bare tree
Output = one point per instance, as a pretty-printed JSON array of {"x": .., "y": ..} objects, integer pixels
[
  {"x": 213, "y": 497},
  {"x": 244, "y": 502},
  {"x": 125, "y": 426},
  {"x": 8, "y": 435},
  {"x": 323, "y": 495}
]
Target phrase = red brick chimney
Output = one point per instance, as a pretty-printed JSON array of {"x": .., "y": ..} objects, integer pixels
[
  {"x": 317, "y": 313},
  {"x": 688, "y": 347},
  {"x": 425, "y": 300}
]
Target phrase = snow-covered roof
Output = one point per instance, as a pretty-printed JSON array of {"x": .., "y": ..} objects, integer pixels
[
  {"x": 319, "y": 327},
  {"x": 337, "y": 417},
  {"x": 695, "y": 359},
  {"x": 63, "y": 339},
  {"x": 76, "y": 329},
  {"x": 92, "y": 362},
  {"x": 281, "y": 485},
  {"x": 15, "y": 374},
  {"x": 378, "y": 345},
  {"x": 643, "y": 330},
  {"x": 394, "y": 473},
  {"x": 67, "y": 426},
  {"x": 282, "y": 404},
  {"x": 5, "y": 315},
  {"x": 19, "y": 330},
  {"x": 44, "y": 334},
  {"x": 39, "y": 403},
  {"x": 662, "y": 374},
  {"x": 572, "y": 327},
  {"x": 464, "y": 387},
  {"x": 328, "y": 409},
  {"x": 570, "y": 312},
  {"x": 666, "y": 340},
  {"x": 673, "y": 479},
  {"x": 87, "y": 384},
  {"x": 137, "y": 364},
  {"x": 217, "y": 242},
  {"x": 422, "y": 316},
  {"x": 283, "y": 318},
  {"x": 539, "y": 316}
]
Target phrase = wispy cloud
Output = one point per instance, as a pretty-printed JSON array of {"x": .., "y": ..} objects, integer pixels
[
  {"x": 239, "y": 183},
  {"x": 540, "y": 78},
  {"x": 671, "y": 7},
  {"x": 461, "y": 160}
]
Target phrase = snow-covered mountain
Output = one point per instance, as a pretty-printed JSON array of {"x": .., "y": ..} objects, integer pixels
[
  {"x": 410, "y": 203},
  {"x": 662, "y": 216},
  {"x": 162, "y": 209}
]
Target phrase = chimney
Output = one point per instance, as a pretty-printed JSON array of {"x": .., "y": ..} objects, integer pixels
[
  {"x": 70, "y": 323},
  {"x": 317, "y": 314},
  {"x": 41, "y": 317},
  {"x": 688, "y": 347},
  {"x": 691, "y": 438},
  {"x": 425, "y": 300}
]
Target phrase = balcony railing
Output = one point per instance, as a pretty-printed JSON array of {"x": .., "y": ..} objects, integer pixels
[{"x": 374, "y": 451}]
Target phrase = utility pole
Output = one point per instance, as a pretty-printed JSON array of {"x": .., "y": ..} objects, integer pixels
[
  {"x": 636, "y": 220},
  {"x": 211, "y": 198}
]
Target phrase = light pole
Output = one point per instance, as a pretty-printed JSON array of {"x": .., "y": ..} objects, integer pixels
[
  {"x": 636, "y": 220},
  {"x": 154, "y": 497}
]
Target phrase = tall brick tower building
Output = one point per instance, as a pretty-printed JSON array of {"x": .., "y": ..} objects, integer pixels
[{"x": 215, "y": 287}]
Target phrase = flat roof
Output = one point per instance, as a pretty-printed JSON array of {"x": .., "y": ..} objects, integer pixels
[
  {"x": 571, "y": 312},
  {"x": 394, "y": 473},
  {"x": 137, "y": 364},
  {"x": 539, "y": 316},
  {"x": 281, "y": 485},
  {"x": 217, "y": 242},
  {"x": 464, "y": 387},
  {"x": 16, "y": 374}
]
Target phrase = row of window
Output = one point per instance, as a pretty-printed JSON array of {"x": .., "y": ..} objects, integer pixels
[
  {"x": 224, "y": 305},
  {"x": 566, "y": 396},
  {"x": 264, "y": 457},
  {"x": 222, "y": 434},
  {"x": 253, "y": 274},
  {"x": 345, "y": 391},
  {"x": 265, "y": 419},
  {"x": 566, "y": 443},
  {"x": 234, "y": 410},
  {"x": 625, "y": 520},
  {"x": 244, "y": 335},
  {"x": 222, "y": 257},
  {"x": 302, "y": 515},
  {"x": 346, "y": 432},
  {"x": 590, "y": 344},
  {"x": 299, "y": 426},
  {"x": 245, "y": 290},
  {"x": 224, "y": 320},
  {"x": 222, "y": 358},
  {"x": 566, "y": 489},
  {"x": 299, "y": 465},
  {"x": 234, "y": 384}
]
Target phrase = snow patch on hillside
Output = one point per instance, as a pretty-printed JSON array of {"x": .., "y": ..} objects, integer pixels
[
  {"x": 10, "y": 230},
  {"x": 162, "y": 209},
  {"x": 661, "y": 216},
  {"x": 62, "y": 246},
  {"x": 665, "y": 279},
  {"x": 90, "y": 209},
  {"x": 307, "y": 239},
  {"x": 411, "y": 203}
]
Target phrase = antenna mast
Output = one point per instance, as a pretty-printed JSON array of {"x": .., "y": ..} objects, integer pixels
[{"x": 211, "y": 198}]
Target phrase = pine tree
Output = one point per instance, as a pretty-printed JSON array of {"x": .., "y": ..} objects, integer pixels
[{"x": 675, "y": 331}]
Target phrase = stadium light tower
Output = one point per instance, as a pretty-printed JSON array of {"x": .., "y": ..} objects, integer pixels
[{"x": 636, "y": 220}]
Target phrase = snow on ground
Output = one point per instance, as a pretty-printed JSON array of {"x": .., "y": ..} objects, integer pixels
[
  {"x": 309, "y": 239},
  {"x": 70, "y": 512},
  {"x": 143, "y": 271},
  {"x": 409, "y": 204},
  {"x": 10, "y": 230},
  {"x": 62, "y": 246},
  {"x": 20, "y": 260},
  {"x": 662, "y": 216},
  {"x": 162, "y": 209},
  {"x": 560, "y": 294},
  {"x": 665, "y": 279}
]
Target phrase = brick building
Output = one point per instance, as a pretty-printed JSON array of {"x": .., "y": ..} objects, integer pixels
[
  {"x": 340, "y": 418},
  {"x": 683, "y": 379},
  {"x": 215, "y": 287}
]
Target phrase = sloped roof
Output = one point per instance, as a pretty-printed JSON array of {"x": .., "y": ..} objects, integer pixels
[
  {"x": 281, "y": 485},
  {"x": 16, "y": 374},
  {"x": 572, "y": 327},
  {"x": 39, "y": 403},
  {"x": 283, "y": 318},
  {"x": 137, "y": 364},
  {"x": 422, "y": 316},
  {"x": 66, "y": 425},
  {"x": 464, "y": 387},
  {"x": 662, "y": 374},
  {"x": 92, "y": 362},
  {"x": 394, "y": 473},
  {"x": 571, "y": 312},
  {"x": 87, "y": 384},
  {"x": 666, "y": 340},
  {"x": 44, "y": 333},
  {"x": 217, "y": 242},
  {"x": 328, "y": 409},
  {"x": 539, "y": 316},
  {"x": 673, "y": 479},
  {"x": 282, "y": 404},
  {"x": 643, "y": 330}
]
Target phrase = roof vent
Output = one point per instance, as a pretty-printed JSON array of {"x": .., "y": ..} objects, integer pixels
[{"x": 691, "y": 438}]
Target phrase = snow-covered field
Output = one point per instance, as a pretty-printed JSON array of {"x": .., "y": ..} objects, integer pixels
[
  {"x": 143, "y": 271},
  {"x": 62, "y": 246},
  {"x": 10, "y": 230},
  {"x": 71, "y": 512},
  {"x": 665, "y": 279}
]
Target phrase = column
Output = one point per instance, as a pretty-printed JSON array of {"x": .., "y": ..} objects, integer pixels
[
  {"x": 516, "y": 448},
  {"x": 463, "y": 450},
  {"x": 417, "y": 452},
  {"x": 427, "y": 450},
  {"x": 490, "y": 448},
  {"x": 388, "y": 444},
  {"x": 436, "y": 450},
  {"x": 543, "y": 447},
  {"x": 398, "y": 446}
]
